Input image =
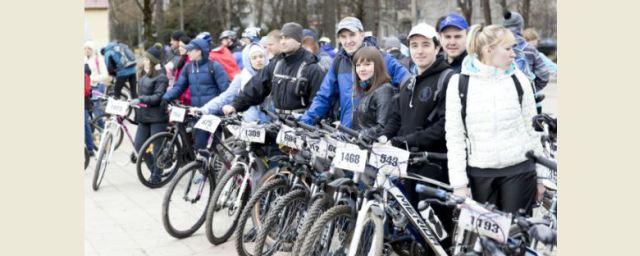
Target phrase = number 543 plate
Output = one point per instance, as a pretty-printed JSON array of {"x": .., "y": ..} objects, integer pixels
[{"x": 476, "y": 218}]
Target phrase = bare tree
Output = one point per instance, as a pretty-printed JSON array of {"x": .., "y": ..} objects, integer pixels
[
  {"x": 159, "y": 19},
  {"x": 525, "y": 8},
  {"x": 467, "y": 8},
  {"x": 147, "y": 16},
  {"x": 503, "y": 5},
  {"x": 259, "y": 5},
  {"x": 486, "y": 8}
]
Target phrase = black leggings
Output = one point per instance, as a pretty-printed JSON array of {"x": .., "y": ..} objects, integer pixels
[
  {"x": 508, "y": 193},
  {"x": 120, "y": 80},
  {"x": 144, "y": 132}
]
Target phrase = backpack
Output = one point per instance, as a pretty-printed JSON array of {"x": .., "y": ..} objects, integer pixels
[
  {"x": 463, "y": 88},
  {"x": 444, "y": 76},
  {"x": 123, "y": 57},
  {"x": 300, "y": 81}
]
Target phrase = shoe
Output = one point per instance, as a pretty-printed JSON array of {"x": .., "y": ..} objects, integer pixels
[
  {"x": 133, "y": 157},
  {"x": 156, "y": 178}
]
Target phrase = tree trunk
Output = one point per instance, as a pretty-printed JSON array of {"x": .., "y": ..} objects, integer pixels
[
  {"x": 503, "y": 4},
  {"x": 486, "y": 7},
  {"x": 303, "y": 13},
  {"x": 260, "y": 8},
  {"x": 467, "y": 9},
  {"x": 328, "y": 19},
  {"x": 159, "y": 20},
  {"x": 525, "y": 9},
  {"x": 181, "y": 19}
]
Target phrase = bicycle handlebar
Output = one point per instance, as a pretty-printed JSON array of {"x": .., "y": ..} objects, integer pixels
[
  {"x": 425, "y": 156},
  {"x": 542, "y": 160},
  {"x": 347, "y": 130}
]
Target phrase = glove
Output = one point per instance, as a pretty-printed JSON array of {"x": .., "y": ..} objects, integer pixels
[
  {"x": 399, "y": 142},
  {"x": 134, "y": 102}
]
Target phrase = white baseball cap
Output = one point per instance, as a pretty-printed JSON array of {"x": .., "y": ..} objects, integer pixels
[{"x": 425, "y": 30}]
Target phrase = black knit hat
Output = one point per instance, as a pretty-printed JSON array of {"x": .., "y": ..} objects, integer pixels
[
  {"x": 155, "y": 53},
  {"x": 292, "y": 30},
  {"x": 176, "y": 35}
]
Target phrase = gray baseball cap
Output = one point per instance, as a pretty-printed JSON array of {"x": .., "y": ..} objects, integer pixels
[{"x": 351, "y": 23}]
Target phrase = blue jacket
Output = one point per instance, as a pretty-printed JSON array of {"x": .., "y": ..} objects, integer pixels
[
  {"x": 110, "y": 58},
  {"x": 338, "y": 86},
  {"x": 205, "y": 79}
]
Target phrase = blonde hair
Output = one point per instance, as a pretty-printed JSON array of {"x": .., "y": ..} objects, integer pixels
[
  {"x": 481, "y": 36},
  {"x": 530, "y": 34}
]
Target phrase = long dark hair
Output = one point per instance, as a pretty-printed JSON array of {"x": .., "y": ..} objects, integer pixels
[{"x": 380, "y": 75}]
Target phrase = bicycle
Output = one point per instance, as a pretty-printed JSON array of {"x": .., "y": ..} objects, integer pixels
[
  {"x": 166, "y": 152},
  {"x": 195, "y": 182},
  {"x": 116, "y": 110}
]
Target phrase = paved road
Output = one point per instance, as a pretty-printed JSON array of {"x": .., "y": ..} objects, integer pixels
[{"x": 123, "y": 217}]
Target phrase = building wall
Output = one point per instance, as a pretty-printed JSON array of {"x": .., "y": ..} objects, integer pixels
[{"x": 97, "y": 26}]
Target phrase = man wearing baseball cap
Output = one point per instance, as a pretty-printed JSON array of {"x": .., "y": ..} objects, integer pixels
[
  {"x": 338, "y": 83},
  {"x": 417, "y": 113},
  {"x": 291, "y": 78},
  {"x": 453, "y": 33}
]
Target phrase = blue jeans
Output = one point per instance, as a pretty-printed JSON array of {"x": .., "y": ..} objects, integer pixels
[{"x": 88, "y": 139}]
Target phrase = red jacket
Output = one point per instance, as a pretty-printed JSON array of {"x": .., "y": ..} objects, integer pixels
[
  {"x": 87, "y": 85},
  {"x": 223, "y": 56},
  {"x": 185, "y": 98}
]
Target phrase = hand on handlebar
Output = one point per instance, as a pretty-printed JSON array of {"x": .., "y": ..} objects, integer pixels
[
  {"x": 462, "y": 192},
  {"x": 228, "y": 110}
]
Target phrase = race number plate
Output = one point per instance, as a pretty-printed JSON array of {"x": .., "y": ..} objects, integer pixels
[
  {"x": 117, "y": 107},
  {"x": 350, "y": 157},
  {"x": 331, "y": 147},
  {"x": 249, "y": 132},
  {"x": 318, "y": 147},
  {"x": 208, "y": 123},
  {"x": 234, "y": 129},
  {"x": 389, "y": 159},
  {"x": 475, "y": 218},
  {"x": 177, "y": 114},
  {"x": 287, "y": 137}
]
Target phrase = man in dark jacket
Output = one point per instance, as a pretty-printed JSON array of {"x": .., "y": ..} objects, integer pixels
[
  {"x": 205, "y": 79},
  {"x": 417, "y": 117},
  {"x": 338, "y": 84},
  {"x": 453, "y": 33},
  {"x": 291, "y": 78}
]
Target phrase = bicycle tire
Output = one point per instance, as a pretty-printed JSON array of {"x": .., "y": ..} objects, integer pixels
[
  {"x": 292, "y": 199},
  {"x": 221, "y": 185},
  {"x": 101, "y": 163},
  {"x": 316, "y": 230},
  {"x": 97, "y": 130},
  {"x": 377, "y": 237},
  {"x": 166, "y": 222},
  {"x": 313, "y": 213},
  {"x": 87, "y": 158},
  {"x": 247, "y": 212},
  {"x": 177, "y": 159}
]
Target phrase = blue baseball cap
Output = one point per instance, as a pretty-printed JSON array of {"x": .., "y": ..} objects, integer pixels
[{"x": 454, "y": 20}]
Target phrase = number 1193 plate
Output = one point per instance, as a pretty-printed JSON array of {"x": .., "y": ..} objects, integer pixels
[{"x": 475, "y": 218}]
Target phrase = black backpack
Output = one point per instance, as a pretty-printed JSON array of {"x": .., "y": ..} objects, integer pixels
[{"x": 463, "y": 88}]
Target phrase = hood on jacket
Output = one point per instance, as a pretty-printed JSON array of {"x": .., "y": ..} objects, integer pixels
[
  {"x": 472, "y": 66},
  {"x": 246, "y": 57},
  {"x": 203, "y": 45}
]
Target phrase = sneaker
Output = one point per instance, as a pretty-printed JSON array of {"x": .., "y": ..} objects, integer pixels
[{"x": 133, "y": 157}]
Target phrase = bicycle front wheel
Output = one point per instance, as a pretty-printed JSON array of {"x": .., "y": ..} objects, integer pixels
[
  {"x": 186, "y": 200},
  {"x": 97, "y": 125},
  {"x": 224, "y": 208},
  {"x": 282, "y": 223},
  {"x": 104, "y": 152},
  {"x": 331, "y": 234},
  {"x": 372, "y": 237},
  {"x": 159, "y": 156}
]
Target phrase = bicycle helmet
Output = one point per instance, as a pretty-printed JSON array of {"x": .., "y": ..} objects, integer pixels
[
  {"x": 251, "y": 32},
  {"x": 205, "y": 36},
  {"x": 227, "y": 33}
]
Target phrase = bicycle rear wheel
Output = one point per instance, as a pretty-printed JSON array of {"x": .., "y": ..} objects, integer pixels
[
  {"x": 104, "y": 153},
  {"x": 160, "y": 154},
  {"x": 186, "y": 200}
]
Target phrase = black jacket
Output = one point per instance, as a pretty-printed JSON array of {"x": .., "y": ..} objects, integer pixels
[
  {"x": 372, "y": 113},
  {"x": 456, "y": 64},
  {"x": 411, "y": 119},
  {"x": 150, "y": 91},
  {"x": 283, "y": 91}
]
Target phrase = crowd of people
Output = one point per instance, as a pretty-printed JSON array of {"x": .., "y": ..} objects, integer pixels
[{"x": 468, "y": 91}]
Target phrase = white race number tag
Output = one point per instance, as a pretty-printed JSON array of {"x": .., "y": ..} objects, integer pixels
[
  {"x": 177, "y": 114},
  {"x": 318, "y": 147},
  {"x": 249, "y": 132},
  {"x": 208, "y": 123},
  {"x": 389, "y": 159},
  {"x": 350, "y": 158},
  {"x": 117, "y": 107},
  {"x": 287, "y": 137},
  {"x": 474, "y": 217}
]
